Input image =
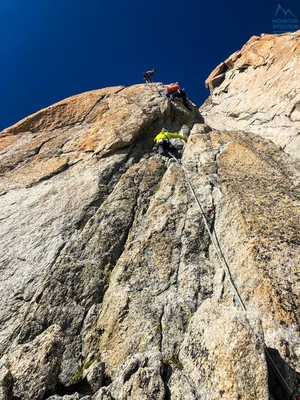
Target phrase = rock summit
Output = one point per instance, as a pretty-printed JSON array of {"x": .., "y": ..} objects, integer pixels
[{"x": 126, "y": 275}]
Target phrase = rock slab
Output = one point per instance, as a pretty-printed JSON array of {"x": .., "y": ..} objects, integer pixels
[{"x": 111, "y": 283}]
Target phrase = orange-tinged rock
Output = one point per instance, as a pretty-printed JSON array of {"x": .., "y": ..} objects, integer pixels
[{"x": 257, "y": 89}]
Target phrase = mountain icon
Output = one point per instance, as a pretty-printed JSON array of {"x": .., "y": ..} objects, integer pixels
[{"x": 286, "y": 13}]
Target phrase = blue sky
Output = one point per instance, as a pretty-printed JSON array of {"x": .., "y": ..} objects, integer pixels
[{"x": 52, "y": 49}]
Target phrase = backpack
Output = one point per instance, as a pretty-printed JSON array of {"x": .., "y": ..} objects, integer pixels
[{"x": 172, "y": 88}]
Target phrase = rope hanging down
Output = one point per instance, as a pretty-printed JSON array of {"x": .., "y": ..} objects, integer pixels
[
  {"x": 214, "y": 241},
  {"x": 235, "y": 292}
]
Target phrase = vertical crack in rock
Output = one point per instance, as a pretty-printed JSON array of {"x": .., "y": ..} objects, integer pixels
[{"x": 111, "y": 286}]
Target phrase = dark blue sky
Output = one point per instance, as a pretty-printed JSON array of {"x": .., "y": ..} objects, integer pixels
[{"x": 52, "y": 49}]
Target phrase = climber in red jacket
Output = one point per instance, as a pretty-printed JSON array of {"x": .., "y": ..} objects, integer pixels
[{"x": 174, "y": 91}]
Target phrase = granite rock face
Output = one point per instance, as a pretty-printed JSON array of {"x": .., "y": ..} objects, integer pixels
[
  {"x": 257, "y": 90},
  {"x": 113, "y": 286}
]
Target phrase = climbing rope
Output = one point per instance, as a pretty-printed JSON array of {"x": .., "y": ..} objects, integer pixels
[
  {"x": 235, "y": 292},
  {"x": 214, "y": 241}
]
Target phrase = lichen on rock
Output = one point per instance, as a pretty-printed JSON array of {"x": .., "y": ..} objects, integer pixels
[{"x": 112, "y": 285}]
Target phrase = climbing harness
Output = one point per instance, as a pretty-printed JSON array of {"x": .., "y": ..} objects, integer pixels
[{"x": 235, "y": 292}]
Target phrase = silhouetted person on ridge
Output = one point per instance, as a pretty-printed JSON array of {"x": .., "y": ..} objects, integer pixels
[{"x": 148, "y": 76}]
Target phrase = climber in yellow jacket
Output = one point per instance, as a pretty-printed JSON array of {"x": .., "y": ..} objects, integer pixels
[{"x": 163, "y": 145}]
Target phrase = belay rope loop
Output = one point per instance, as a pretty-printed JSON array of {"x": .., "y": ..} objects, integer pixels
[{"x": 235, "y": 292}]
